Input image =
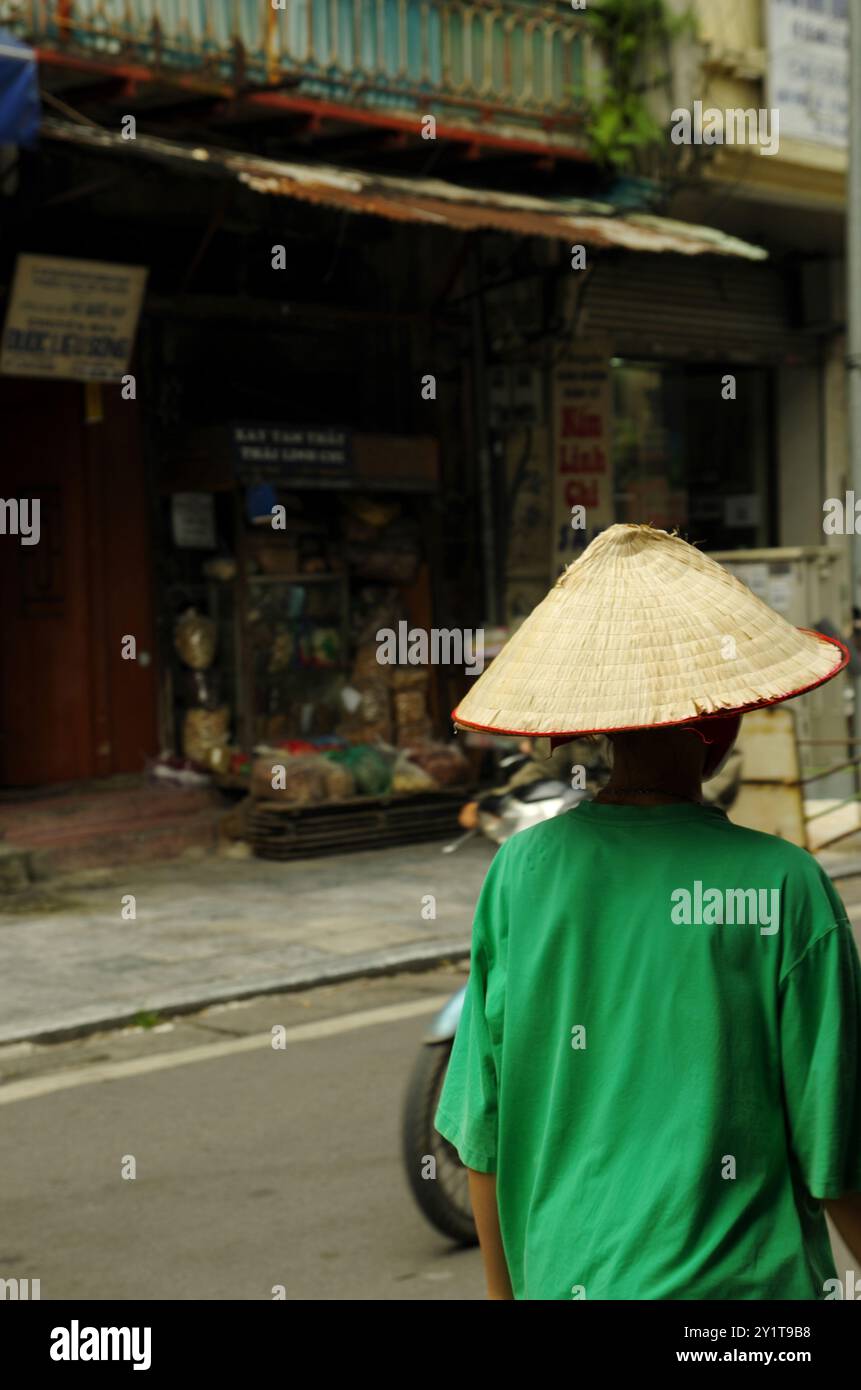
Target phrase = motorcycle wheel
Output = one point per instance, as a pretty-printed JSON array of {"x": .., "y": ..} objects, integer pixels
[{"x": 443, "y": 1200}]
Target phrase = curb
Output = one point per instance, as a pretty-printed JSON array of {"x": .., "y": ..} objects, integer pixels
[
  {"x": 415, "y": 956},
  {"x": 173, "y": 1003}
]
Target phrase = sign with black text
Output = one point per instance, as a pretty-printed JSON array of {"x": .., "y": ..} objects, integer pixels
[
  {"x": 70, "y": 319},
  {"x": 287, "y": 454}
]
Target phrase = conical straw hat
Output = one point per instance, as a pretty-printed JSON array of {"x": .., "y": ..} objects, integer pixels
[{"x": 644, "y": 629}]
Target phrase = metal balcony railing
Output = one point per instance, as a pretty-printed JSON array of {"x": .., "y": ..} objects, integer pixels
[{"x": 491, "y": 63}]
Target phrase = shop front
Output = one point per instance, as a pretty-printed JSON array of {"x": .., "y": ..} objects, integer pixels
[
  {"x": 667, "y": 400},
  {"x": 316, "y": 460},
  {"x": 288, "y": 554},
  {"x": 689, "y": 397}
]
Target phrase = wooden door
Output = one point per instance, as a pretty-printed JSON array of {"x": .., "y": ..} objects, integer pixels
[{"x": 70, "y": 706}]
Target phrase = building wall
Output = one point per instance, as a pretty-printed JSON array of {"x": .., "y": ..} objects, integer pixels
[
  {"x": 732, "y": 72},
  {"x": 800, "y": 439},
  {"x": 836, "y": 459},
  {"x": 794, "y": 203}
]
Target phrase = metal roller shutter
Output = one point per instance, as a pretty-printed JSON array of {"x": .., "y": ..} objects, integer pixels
[{"x": 709, "y": 308}]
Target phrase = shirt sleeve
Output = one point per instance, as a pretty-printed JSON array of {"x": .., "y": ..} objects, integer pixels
[
  {"x": 468, "y": 1107},
  {"x": 820, "y": 1041}
]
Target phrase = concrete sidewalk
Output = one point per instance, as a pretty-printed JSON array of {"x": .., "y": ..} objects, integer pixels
[
  {"x": 217, "y": 928},
  {"x": 210, "y": 929}
]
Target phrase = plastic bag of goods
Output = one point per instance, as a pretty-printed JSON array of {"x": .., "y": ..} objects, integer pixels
[
  {"x": 367, "y": 717},
  {"x": 411, "y": 717},
  {"x": 409, "y": 678},
  {"x": 204, "y": 730},
  {"x": 365, "y": 665},
  {"x": 407, "y": 776},
  {"x": 194, "y": 637},
  {"x": 340, "y": 782},
  {"x": 443, "y": 762},
  {"x": 370, "y": 767},
  {"x": 299, "y": 780},
  {"x": 410, "y": 706}
]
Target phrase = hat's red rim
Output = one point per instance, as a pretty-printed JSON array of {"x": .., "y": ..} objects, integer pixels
[{"x": 673, "y": 723}]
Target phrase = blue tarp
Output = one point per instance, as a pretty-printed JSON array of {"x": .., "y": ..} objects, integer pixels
[{"x": 20, "y": 111}]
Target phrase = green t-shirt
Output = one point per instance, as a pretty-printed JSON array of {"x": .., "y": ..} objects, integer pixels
[{"x": 662, "y": 1072}]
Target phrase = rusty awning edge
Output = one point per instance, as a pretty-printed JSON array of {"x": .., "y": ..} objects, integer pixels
[{"x": 428, "y": 201}]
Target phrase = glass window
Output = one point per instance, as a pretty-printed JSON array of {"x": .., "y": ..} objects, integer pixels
[{"x": 684, "y": 456}]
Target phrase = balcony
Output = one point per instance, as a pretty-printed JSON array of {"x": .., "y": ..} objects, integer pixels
[{"x": 489, "y": 71}]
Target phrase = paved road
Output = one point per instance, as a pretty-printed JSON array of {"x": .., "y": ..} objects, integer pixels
[{"x": 254, "y": 1168}]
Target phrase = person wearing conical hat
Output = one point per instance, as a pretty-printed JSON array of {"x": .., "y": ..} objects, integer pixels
[{"x": 655, "y": 1079}]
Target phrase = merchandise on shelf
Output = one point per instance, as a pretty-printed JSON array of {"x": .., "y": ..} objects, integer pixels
[{"x": 195, "y": 639}]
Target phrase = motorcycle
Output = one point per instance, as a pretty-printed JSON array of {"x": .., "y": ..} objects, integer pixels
[{"x": 443, "y": 1194}]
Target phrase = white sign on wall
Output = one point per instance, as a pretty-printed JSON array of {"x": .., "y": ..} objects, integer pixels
[
  {"x": 808, "y": 68},
  {"x": 71, "y": 319},
  {"x": 193, "y": 520}
]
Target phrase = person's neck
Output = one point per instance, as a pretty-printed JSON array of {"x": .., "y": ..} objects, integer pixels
[{"x": 643, "y": 789}]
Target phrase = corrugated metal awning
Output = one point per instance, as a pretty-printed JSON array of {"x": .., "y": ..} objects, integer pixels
[{"x": 428, "y": 201}]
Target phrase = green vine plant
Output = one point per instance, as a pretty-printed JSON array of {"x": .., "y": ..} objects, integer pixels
[{"x": 636, "y": 39}]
